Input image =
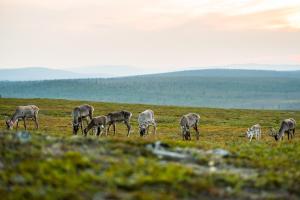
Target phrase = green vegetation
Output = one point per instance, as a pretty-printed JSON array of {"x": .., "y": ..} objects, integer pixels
[{"x": 51, "y": 163}]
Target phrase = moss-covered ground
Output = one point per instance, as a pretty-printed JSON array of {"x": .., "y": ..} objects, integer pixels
[{"x": 51, "y": 163}]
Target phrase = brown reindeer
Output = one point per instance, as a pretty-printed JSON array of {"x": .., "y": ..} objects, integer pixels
[
  {"x": 117, "y": 117},
  {"x": 24, "y": 113},
  {"x": 186, "y": 122},
  {"x": 99, "y": 123},
  {"x": 287, "y": 126},
  {"x": 79, "y": 114}
]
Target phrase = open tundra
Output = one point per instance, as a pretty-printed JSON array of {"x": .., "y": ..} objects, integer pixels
[{"x": 51, "y": 163}]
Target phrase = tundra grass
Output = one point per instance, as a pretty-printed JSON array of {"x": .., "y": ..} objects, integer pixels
[{"x": 54, "y": 164}]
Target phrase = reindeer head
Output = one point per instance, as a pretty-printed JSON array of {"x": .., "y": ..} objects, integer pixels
[
  {"x": 75, "y": 128},
  {"x": 273, "y": 133},
  {"x": 9, "y": 124},
  {"x": 143, "y": 129},
  {"x": 186, "y": 132}
]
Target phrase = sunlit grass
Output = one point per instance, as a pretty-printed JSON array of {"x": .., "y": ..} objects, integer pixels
[{"x": 63, "y": 166}]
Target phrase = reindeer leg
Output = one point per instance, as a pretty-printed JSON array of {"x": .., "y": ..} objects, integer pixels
[
  {"x": 25, "y": 123},
  {"x": 128, "y": 128},
  {"x": 154, "y": 127},
  {"x": 197, "y": 132},
  {"x": 182, "y": 134},
  {"x": 36, "y": 122},
  {"x": 108, "y": 127},
  {"x": 251, "y": 137},
  {"x": 293, "y": 132},
  {"x": 102, "y": 130},
  {"x": 105, "y": 131},
  {"x": 83, "y": 132},
  {"x": 259, "y": 134},
  {"x": 98, "y": 131},
  {"x": 81, "y": 126},
  {"x": 114, "y": 126},
  {"x": 188, "y": 136}
]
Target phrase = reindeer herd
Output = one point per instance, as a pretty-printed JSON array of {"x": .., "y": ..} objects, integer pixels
[{"x": 145, "y": 120}]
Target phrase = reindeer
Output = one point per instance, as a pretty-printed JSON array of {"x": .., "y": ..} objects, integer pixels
[
  {"x": 79, "y": 114},
  {"x": 98, "y": 123},
  {"x": 287, "y": 126},
  {"x": 146, "y": 119},
  {"x": 186, "y": 122},
  {"x": 119, "y": 116},
  {"x": 23, "y": 113},
  {"x": 255, "y": 130}
]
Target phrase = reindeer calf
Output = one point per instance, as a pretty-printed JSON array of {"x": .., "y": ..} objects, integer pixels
[
  {"x": 255, "y": 130},
  {"x": 99, "y": 123}
]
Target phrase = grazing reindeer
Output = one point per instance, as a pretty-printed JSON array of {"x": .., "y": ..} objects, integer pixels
[
  {"x": 119, "y": 116},
  {"x": 146, "y": 119},
  {"x": 188, "y": 121},
  {"x": 255, "y": 130},
  {"x": 287, "y": 126},
  {"x": 23, "y": 113},
  {"x": 99, "y": 123},
  {"x": 79, "y": 114}
]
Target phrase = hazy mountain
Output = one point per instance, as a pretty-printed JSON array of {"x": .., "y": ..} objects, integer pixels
[
  {"x": 112, "y": 70},
  {"x": 108, "y": 71},
  {"x": 232, "y": 73},
  {"x": 39, "y": 73}
]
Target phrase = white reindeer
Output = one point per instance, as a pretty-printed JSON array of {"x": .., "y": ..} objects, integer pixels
[
  {"x": 255, "y": 130},
  {"x": 146, "y": 119}
]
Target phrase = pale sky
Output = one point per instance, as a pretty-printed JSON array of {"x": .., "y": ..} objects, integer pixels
[{"x": 161, "y": 35}]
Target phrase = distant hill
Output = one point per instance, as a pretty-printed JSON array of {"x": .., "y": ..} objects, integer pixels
[
  {"x": 40, "y": 73},
  {"x": 232, "y": 73},
  {"x": 202, "y": 88}
]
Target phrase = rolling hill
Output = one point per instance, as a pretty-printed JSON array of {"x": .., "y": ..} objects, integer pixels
[
  {"x": 202, "y": 88},
  {"x": 41, "y": 73}
]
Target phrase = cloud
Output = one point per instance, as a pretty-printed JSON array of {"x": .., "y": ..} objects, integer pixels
[
  {"x": 264, "y": 20},
  {"x": 148, "y": 33}
]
